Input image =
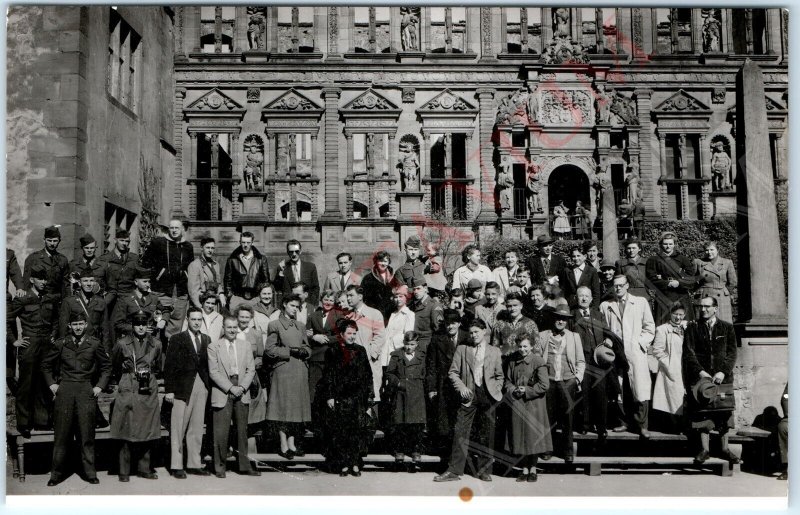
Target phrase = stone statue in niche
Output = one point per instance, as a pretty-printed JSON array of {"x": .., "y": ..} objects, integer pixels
[
  {"x": 533, "y": 103},
  {"x": 256, "y": 23},
  {"x": 447, "y": 141},
  {"x": 409, "y": 28},
  {"x": 253, "y": 163},
  {"x": 561, "y": 22},
  {"x": 632, "y": 181},
  {"x": 409, "y": 167},
  {"x": 534, "y": 185},
  {"x": 720, "y": 167},
  {"x": 623, "y": 110},
  {"x": 603, "y": 104},
  {"x": 681, "y": 151},
  {"x": 292, "y": 154},
  {"x": 214, "y": 155},
  {"x": 505, "y": 185},
  {"x": 370, "y": 152},
  {"x": 711, "y": 30}
]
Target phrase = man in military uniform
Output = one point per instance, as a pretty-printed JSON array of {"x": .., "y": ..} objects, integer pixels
[
  {"x": 414, "y": 265},
  {"x": 13, "y": 275},
  {"x": 78, "y": 358},
  {"x": 87, "y": 261},
  {"x": 140, "y": 300},
  {"x": 49, "y": 259},
  {"x": 89, "y": 303},
  {"x": 428, "y": 312},
  {"x": 120, "y": 266},
  {"x": 35, "y": 311}
]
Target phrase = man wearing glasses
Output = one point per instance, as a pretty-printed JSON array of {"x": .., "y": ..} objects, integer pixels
[{"x": 295, "y": 271}]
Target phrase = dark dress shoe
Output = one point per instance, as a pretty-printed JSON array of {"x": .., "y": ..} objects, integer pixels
[
  {"x": 701, "y": 457},
  {"x": 93, "y": 481},
  {"x": 147, "y": 475},
  {"x": 569, "y": 459},
  {"x": 783, "y": 477},
  {"x": 731, "y": 457},
  {"x": 355, "y": 472},
  {"x": 299, "y": 453},
  {"x": 522, "y": 477},
  {"x": 25, "y": 433},
  {"x": 484, "y": 477},
  {"x": 54, "y": 482},
  {"x": 343, "y": 473},
  {"x": 124, "y": 479},
  {"x": 532, "y": 477},
  {"x": 286, "y": 455},
  {"x": 198, "y": 472},
  {"x": 220, "y": 475},
  {"x": 447, "y": 476},
  {"x": 545, "y": 457},
  {"x": 179, "y": 474}
]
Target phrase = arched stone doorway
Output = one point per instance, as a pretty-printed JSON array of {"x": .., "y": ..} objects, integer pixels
[{"x": 570, "y": 184}]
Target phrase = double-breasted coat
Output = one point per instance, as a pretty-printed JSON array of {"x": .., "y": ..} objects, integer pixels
[
  {"x": 636, "y": 329},
  {"x": 660, "y": 270},
  {"x": 530, "y": 426},
  {"x": 406, "y": 381},
  {"x": 289, "y": 398},
  {"x": 136, "y": 417},
  {"x": 714, "y": 279}
]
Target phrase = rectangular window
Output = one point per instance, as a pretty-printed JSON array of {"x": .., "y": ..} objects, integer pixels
[
  {"x": 216, "y": 29},
  {"x": 674, "y": 211},
  {"x": 695, "y": 200},
  {"x": 124, "y": 59}
]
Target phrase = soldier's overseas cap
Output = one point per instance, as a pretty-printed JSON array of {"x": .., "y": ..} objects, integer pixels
[
  {"x": 39, "y": 272},
  {"x": 77, "y": 316},
  {"x": 52, "y": 232},
  {"x": 87, "y": 239},
  {"x": 139, "y": 317},
  {"x": 414, "y": 242},
  {"x": 141, "y": 273},
  {"x": 122, "y": 233}
]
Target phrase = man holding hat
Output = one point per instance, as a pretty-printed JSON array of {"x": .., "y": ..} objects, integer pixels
[
  {"x": 69, "y": 370},
  {"x": 140, "y": 300},
  {"x": 85, "y": 301},
  {"x": 36, "y": 311},
  {"x": 673, "y": 279},
  {"x": 120, "y": 266},
  {"x": 53, "y": 262},
  {"x": 562, "y": 350},
  {"x": 414, "y": 267},
  {"x": 546, "y": 266},
  {"x": 86, "y": 262},
  {"x": 709, "y": 355},
  {"x": 605, "y": 360}
]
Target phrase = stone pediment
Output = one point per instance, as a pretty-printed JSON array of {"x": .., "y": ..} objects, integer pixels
[
  {"x": 447, "y": 102},
  {"x": 215, "y": 101},
  {"x": 681, "y": 102},
  {"x": 293, "y": 102},
  {"x": 370, "y": 101}
]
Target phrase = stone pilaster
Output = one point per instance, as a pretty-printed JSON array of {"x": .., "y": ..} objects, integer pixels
[
  {"x": 648, "y": 179},
  {"x": 193, "y": 173},
  {"x": 332, "y": 174},
  {"x": 193, "y": 27},
  {"x": 178, "y": 136},
  {"x": 486, "y": 180},
  {"x": 236, "y": 173}
]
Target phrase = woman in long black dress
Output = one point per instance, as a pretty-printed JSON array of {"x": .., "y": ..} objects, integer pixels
[{"x": 346, "y": 386}]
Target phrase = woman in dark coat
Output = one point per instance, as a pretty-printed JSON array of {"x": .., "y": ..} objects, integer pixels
[
  {"x": 347, "y": 388},
  {"x": 289, "y": 403},
  {"x": 136, "y": 417},
  {"x": 321, "y": 332},
  {"x": 405, "y": 379},
  {"x": 526, "y": 386},
  {"x": 378, "y": 284}
]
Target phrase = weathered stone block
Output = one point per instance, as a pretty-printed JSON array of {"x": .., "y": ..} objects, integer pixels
[
  {"x": 70, "y": 86},
  {"x": 71, "y": 41},
  {"x": 54, "y": 189},
  {"x": 62, "y": 114},
  {"x": 56, "y": 63},
  {"x": 71, "y": 166},
  {"x": 58, "y": 147},
  {"x": 61, "y": 18}
]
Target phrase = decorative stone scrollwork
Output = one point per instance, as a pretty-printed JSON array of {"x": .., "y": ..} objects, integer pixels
[
  {"x": 253, "y": 95},
  {"x": 293, "y": 103},
  {"x": 253, "y": 163},
  {"x": 333, "y": 29},
  {"x": 718, "y": 96},
  {"x": 446, "y": 101},
  {"x": 623, "y": 110},
  {"x": 519, "y": 107},
  {"x": 486, "y": 30},
  {"x": 408, "y": 95},
  {"x": 566, "y": 107},
  {"x": 370, "y": 102}
]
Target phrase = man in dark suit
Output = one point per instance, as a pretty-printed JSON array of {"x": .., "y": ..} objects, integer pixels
[
  {"x": 68, "y": 369},
  {"x": 477, "y": 375},
  {"x": 443, "y": 399},
  {"x": 578, "y": 274},
  {"x": 186, "y": 384},
  {"x": 600, "y": 380},
  {"x": 672, "y": 276},
  {"x": 545, "y": 266},
  {"x": 295, "y": 271}
]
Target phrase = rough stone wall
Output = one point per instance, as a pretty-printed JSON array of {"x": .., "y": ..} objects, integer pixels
[{"x": 69, "y": 146}]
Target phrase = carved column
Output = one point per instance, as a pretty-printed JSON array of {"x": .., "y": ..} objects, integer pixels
[
  {"x": 426, "y": 29},
  {"x": 425, "y": 172},
  {"x": 193, "y": 27},
  {"x": 772, "y": 31},
  {"x": 547, "y": 26},
  {"x": 236, "y": 173},
  {"x": 470, "y": 24},
  {"x": 240, "y": 29},
  {"x": 215, "y": 186},
  {"x": 673, "y": 30},
  {"x": 179, "y": 134},
  {"x": 487, "y": 40},
  {"x": 392, "y": 158},
  {"x": 598, "y": 29},
  {"x": 647, "y": 179},
  {"x": 697, "y": 31},
  {"x": 523, "y": 30},
  {"x": 272, "y": 31},
  {"x": 394, "y": 29},
  {"x": 333, "y": 33},
  {"x": 218, "y": 30},
  {"x": 705, "y": 171},
  {"x": 313, "y": 154},
  {"x": 180, "y": 20},
  {"x": 270, "y": 173},
  {"x": 295, "y": 29},
  {"x": 320, "y": 29},
  {"x": 371, "y": 30},
  {"x": 575, "y": 26},
  {"x": 470, "y": 191},
  {"x": 193, "y": 168},
  {"x": 350, "y": 151},
  {"x": 448, "y": 29},
  {"x": 293, "y": 201},
  {"x": 779, "y": 150},
  {"x": 448, "y": 173},
  {"x": 748, "y": 23},
  {"x": 727, "y": 31},
  {"x": 485, "y": 183},
  {"x": 638, "y": 50},
  {"x": 332, "y": 173}
]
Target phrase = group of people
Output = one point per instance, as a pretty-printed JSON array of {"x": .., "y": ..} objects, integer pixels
[{"x": 467, "y": 366}]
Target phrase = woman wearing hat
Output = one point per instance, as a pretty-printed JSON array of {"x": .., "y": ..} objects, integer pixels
[
  {"x": 716, "y": 276},
  {"x": 668, "y": 392},
  {"x": 525, "y": 388},
  {"x": 136, "y": 419},
  {"x": 562, "y": 351},
  {"x": 347, "y": 387},
  {"x": 561, "y": 220}
]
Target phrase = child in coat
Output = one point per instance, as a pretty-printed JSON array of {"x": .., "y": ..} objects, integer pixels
[{"x": 405, "y": 378}]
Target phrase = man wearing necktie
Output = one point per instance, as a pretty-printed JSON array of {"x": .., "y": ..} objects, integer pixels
[
  {"x": 579, "y": 274},
  {"x": 546, "y": 266},
  {"x": 477, "y": 375},
  {"x": 186, "y": 384},
  {"x": 344, "y": 275},
  {"x": 231, "y": 368},
  {"x": 296, "y": 270},
  {"x": 629, "y": 317}
]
